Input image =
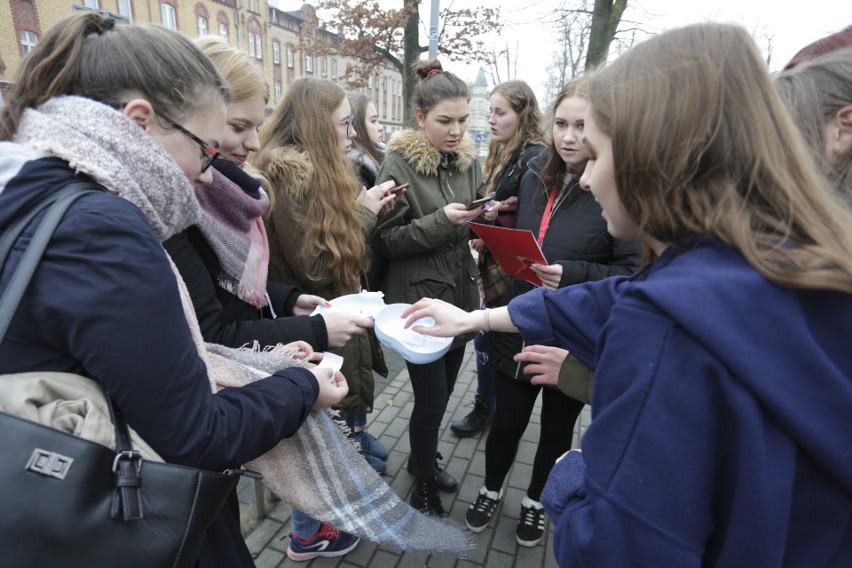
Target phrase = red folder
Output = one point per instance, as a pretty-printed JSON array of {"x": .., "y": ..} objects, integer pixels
[{"x": 514, "y": 249}]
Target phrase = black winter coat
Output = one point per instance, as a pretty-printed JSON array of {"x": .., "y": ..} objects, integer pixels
[
  {"x": 226, "y": 319},
  {"x": 576, "y": 238},
  {"x": 104, "y": 303}
]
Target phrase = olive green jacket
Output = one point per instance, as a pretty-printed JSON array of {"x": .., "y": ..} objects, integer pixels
[
  {"x": 428, "y": 256},
  {"x": 289, "y": 171}
]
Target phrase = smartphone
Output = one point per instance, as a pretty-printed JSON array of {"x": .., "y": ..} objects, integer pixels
[
  {"x": 477, "y": 202},
  {"x": 399, "y": 188}
]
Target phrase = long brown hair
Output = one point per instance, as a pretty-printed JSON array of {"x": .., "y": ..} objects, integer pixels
[
  {"x": 702, "y": 144},
  {"x": 89, "y": 56},
  {"x": 522, "y": 100},
  {"x": 359, "y": 103},
  {"x": 303, "y": 119},
  {"x": 814, "y": 93}
]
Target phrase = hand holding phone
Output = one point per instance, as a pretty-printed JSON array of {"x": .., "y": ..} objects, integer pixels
[
  {"x": 482, "y": 201},
  {"x": 399, "y": 188}
]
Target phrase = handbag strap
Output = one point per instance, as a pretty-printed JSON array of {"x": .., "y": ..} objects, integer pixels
[
  {"x": 127, "y": 465},
  {"x": 59, "y": 202}
]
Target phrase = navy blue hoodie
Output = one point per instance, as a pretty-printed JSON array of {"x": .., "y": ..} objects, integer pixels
[
  {"x": 721, "y": 433},
  {"x": 104, "y": 303}
]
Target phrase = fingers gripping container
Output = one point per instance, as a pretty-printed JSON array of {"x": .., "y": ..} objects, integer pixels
[
  {"x": 389, "y": 326},
  {"x": 414, "y": 347}
]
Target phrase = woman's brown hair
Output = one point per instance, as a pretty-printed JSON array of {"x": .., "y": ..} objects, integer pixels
[
  {"x": 702, "y": 144},
  {"x": 90, "y": 56},
  {"x": 521, "y": 98},
  {"x": 814, "y": 93},
  {"x": 303, "y": 119}
]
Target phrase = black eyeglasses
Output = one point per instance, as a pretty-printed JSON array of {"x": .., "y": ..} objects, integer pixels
[
  {"x": 209, "y": 154},
  {"x": 347, "y": 123}
]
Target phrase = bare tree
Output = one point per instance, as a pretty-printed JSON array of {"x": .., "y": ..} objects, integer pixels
[
  {"x": 372, "y": 36},
  {"x": 572, "y": 32}
]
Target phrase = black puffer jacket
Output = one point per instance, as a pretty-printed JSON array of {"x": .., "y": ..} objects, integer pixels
[{"x": 576, "y": 238}]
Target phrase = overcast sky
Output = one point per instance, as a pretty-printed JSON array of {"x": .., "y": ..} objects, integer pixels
[
  {"x": 790, "y": 26},
  {"x": 528, "y": 24}
]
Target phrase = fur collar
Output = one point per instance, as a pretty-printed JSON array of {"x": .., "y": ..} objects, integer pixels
[
  {"x": 424, "y": 157},
  {"x": 289, "y": 170}
]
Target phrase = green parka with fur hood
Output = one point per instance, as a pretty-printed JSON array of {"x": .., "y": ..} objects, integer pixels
[
  {"x": 289, "y": 171},
  {"x": 428, "y": 256}
]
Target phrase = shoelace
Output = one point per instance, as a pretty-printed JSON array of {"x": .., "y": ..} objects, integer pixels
[
  {"x": 484, "y": 503},
  {"x": 329, "y": 532},
  {"x": 532, "y": 516}
]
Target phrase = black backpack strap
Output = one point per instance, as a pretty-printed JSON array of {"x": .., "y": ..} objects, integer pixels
[{"x": 58, "y": 203}]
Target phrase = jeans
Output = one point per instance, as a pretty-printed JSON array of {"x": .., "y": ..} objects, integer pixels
[{"x": 302, "y": 525}]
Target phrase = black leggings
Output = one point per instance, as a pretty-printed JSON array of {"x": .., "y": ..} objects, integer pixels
[
  {"x": 432, "y": 384},
  {"x": 515, "y": 400}
]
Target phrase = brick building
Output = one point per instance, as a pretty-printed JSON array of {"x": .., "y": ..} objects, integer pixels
[{"x": 283, "y": 42}]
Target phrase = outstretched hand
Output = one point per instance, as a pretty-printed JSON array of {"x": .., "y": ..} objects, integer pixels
[
  {"x": 450, "y": 321},
  {"x": 341, "y": 326}
]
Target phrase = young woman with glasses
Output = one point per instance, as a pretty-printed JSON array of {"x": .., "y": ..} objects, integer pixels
[
  {"x": 318, "y": 226},
  {"x": 105, "y": 301}
]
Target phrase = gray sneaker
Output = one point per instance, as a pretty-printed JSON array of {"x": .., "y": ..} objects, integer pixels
[{"x": 479, "y": 514}]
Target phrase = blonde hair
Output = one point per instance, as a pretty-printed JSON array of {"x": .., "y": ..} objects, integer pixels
[
  {"x": 303, "y": 119},
  {"x": 702, "y": 144},
  {"x": 521, "y": 98},
  {"x": 244, "y": 75},
  {"x": 814, "y": 93}
]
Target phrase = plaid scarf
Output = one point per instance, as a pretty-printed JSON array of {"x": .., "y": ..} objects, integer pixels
[{"x": 232, "y": 206}]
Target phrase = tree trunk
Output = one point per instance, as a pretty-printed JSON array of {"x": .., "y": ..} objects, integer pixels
[
  {"x": 411, "y": 53},
  {"x": 605, "y": 20}
]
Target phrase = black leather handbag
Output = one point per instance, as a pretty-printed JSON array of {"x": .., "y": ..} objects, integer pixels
[{"x": 68, "y": 501}]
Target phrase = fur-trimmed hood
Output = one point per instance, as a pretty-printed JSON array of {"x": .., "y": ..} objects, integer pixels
[
  {"x": 288, "y": 169},
  {"x": 424, "y": 157}
]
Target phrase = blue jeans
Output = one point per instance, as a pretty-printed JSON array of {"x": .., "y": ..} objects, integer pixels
[
  {"x": 355, "y": 419},
  {"x": 485, "y": 373},
  {"x": 302, "y": 525}
]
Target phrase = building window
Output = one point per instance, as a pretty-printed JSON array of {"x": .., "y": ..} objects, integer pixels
[
  {"x": 93, "y": 4},
  {"x": 277, "y": 90},
  {"x": 324, "y": 66},
  {"x": 202, "y": 26},
  {"x": 258, "y": 46},
  {"x": 124, "y": 9},
  {"x": 309, "y": 63},
  {"x": 28, "y": 41},
  {"x": 276, "y": 53},
  {"x": 223, "y": 31},
  {"x": 251, "y": 44},
  {"x": 167, "y": 14},
  {"x": 289, "y": 57},
  {"x": 334, "y": 68}
]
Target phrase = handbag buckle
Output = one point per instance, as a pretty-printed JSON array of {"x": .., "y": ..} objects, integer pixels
[
  {"x": 49, "y": 463},
  {"x": 131, "y": 455}
]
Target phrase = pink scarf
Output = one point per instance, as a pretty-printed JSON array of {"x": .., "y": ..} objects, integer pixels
[{"x": 233, "y": 205}]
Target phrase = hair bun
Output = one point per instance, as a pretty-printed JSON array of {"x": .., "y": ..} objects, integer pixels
[{"x": 426, "y": 69}]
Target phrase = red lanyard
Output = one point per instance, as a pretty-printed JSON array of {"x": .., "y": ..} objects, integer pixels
[{"x": 545, "y": 219}]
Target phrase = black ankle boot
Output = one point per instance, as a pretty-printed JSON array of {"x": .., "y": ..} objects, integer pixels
[
  {"x": 477, "y": 421},
  {"x": 446, "y": 482},
  {"x": 425, "y": 497}
]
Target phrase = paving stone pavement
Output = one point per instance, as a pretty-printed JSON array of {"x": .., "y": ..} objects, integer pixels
[{"x": 266, "y": 522}]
